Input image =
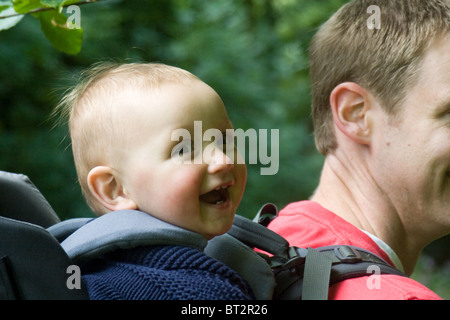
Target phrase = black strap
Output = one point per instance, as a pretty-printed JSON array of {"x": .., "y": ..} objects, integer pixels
[
  {"x": 305, "y": 273},
  {"x": 257, "y": 236},
  {"x": 266, "y": 214},
  {"x": 309, "y": 274},
  {"x": 316, "y": 277}
]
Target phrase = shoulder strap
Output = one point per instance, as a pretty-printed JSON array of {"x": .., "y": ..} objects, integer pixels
[
  {"x": 300, "y": 272},
  {"x": 236, "y": 249},
  {"x": 125, "y": 229},
  {"x": 246, "y": 262},
  {"x": 317, "y": 269},
  {"x": 65, "y": 228},
  {"x": 256, "y": 235}
]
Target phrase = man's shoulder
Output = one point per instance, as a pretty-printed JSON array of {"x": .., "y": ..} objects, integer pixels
[
  {"x": 307, "y": 224},
  {"x": 381, "y": 287}
]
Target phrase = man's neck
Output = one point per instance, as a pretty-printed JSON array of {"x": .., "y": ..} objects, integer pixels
[{"x": 351, "y": 193}]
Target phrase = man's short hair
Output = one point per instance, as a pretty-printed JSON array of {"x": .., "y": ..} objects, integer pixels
[{"x": 384, "y": 60}]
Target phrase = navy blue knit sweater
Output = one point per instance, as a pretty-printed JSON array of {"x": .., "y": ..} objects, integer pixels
[{"x": 162, "y": 273}]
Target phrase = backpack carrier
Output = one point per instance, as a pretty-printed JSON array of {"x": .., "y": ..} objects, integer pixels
[
  {"x": 36, "y": 249},
  {"x": 33, "y": 265},
  {"x": 289, "y": 272}
]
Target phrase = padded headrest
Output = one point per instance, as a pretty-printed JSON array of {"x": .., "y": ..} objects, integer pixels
[
  {"x": 33, "y": 265},
  {"x": 21, "y": 200}
]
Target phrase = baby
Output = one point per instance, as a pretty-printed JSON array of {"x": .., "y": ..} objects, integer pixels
[{"x": 121, "y": 121}]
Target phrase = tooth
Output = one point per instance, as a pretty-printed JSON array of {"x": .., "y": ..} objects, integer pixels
[{"x": 221, "y": 188}]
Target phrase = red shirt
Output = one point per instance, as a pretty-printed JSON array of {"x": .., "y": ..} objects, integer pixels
[{"x": 307, "y": 224}]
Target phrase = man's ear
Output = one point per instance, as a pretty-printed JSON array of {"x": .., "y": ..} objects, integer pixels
[
  {"x": 351, "y": 105},
  {"x": 108, "y": 190}
]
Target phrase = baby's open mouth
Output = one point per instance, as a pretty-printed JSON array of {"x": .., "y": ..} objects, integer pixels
[{"x": 216, "y": 196}]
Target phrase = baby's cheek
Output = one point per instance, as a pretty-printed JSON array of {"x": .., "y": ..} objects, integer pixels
[{"x": 185, "y": 185}]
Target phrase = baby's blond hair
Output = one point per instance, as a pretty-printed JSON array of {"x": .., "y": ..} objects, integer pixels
[{"x": 87, "y": 107}]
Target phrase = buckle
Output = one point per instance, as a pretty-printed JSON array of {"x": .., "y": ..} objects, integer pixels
[
  {"x": 347, "y": 254},
  {"x": 296, "y": 257}
]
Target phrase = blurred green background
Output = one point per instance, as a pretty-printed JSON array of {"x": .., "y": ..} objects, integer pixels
[{"x": 253, "y": 52}]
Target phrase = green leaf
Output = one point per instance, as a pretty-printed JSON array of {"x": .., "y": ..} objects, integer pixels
[
  {"x": 25, "y": 6},
  {"x": 7, "y": 23},
  {"x": 56, "y": 30},
  {"x": 57, "y": 4},
  {"x": 5, "y": 5}
]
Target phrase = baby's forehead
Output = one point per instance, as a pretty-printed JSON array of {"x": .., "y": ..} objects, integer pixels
[
  {"x": 136, "y": 100},
  {"x": 132, "y": 83},
  {"x": 117, "y": 96},
  {"x": 126, "y": 92}
]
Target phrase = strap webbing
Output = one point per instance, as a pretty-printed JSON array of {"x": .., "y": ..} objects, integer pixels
[
  {"x": 258, "y": 236},
  {"x": 316, "y": 278}
]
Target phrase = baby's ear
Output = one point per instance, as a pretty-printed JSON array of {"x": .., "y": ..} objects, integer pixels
[{"x": 108, "y": 190}]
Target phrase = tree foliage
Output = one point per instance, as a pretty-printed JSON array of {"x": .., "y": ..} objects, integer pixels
[
  {"x": 64, "y": 36},
  {"x": 252, "y": 52}
]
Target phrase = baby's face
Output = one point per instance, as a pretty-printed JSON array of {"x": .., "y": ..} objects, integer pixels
[{"x": 200, "y": 195}]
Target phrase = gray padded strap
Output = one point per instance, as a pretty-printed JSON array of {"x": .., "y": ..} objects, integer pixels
[
  {"x": 256, "y": 235},
  {"x": 65, "y": 228},
  {"x": 246, "y": 262},
  {"x": 316, "y": 278},
  {"x": 126, "y": 229}
]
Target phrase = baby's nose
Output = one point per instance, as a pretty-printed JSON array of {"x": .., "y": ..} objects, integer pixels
[{"x": 219, "y": 161}]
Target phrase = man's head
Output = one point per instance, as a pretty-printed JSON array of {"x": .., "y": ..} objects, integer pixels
[
  {"x": 381, "y": 107},
  {"x": 121, "y": 120},
  {"x": 384, "y": 61}
]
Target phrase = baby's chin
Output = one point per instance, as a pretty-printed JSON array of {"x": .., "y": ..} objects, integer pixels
[{"x": 218, "y": 229}]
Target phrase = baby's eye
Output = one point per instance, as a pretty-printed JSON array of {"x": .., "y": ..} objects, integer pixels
[
  {"x": 182, "y": 149},
  {"x": 227, "y": 140}
]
